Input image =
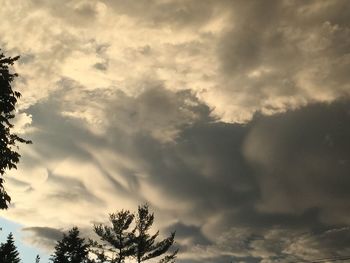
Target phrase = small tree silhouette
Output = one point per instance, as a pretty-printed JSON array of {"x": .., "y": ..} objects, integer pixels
[
  {"x": 9, "y": 156},
  {"x": 71, "y": 249},
  {"x": 8, "y": 251}
]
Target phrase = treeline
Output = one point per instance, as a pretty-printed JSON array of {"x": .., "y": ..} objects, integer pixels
[{"x": 127, "y": 237}]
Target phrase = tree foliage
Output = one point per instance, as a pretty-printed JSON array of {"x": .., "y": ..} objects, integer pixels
[
  {"x": 9, "y": 155},
  {"x": 115, "y": 238},
  {"x": 71, "y": 249},
  {"x": 8, "y": 251},
  {"x": 121, "y": 241},
  {"x": 146, "y": 245}
]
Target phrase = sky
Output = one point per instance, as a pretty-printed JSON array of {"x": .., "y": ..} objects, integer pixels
[
  {"x": 27, "y": 251},
  {"x": 230, "y": 118}
]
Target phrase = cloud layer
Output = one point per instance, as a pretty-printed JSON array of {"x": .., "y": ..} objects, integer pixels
[{"x": 230, "y": 118}]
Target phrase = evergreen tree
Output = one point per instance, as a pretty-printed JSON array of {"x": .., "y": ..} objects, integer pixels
[
  {"x": 8, "y": 251},
  {"x": 71, "y": 249},
  {"x": 116, "y": 239},
  {"x": 37, "y": 259},
  {"x": 120, "y": 243},
  {"x": 146, "y": 245},
  {"x": 9, "y": 156}
]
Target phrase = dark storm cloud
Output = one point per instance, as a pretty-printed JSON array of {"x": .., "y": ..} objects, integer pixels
[
  {"x": 132, "y": 124},
  {"x": 44, "y": 236},
  {"x": 302, "y": 160},
  {"x": 242, "y": 47},
  {"x": 210, "y": 173},
  {"x": 331, "y": 243},
  {"x": 274, "y": 245},
  {"x": 53, "y": 130},
  {"x": 45, "y": 232},
  {"x": 288, "y": 170},
  {"x": 191, "y": 232},
  {"x": 278, "y": 50},
  {"x": 156, "y": 111},
  {"x": 253, "y": 189},
  {"x": 213, "y": 166}
]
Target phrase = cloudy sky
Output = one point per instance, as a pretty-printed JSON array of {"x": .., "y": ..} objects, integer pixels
[{"x": 231, "y": 118}]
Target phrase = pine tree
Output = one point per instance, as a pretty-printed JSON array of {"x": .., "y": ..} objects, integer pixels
[
  {"x": 146, "y": 245},
  {"x": 71, "y": 249},
  {"x": 37, "y": 259},
  {"x": 115, "y": 239},
  {"x": 8, "y": 251},
  {"x": 9, "y": 156},
  {"x": 119, "y": 242}
]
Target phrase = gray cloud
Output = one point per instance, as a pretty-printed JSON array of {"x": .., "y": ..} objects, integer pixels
[
  {"x": 273, "y": 56},
  {"x": 300, "y": 149},
  {"x": 281, "y": 172},
  {"x": 101, "y": 66},
  {"x": 43, "y": 236},
  {"x": 283, "y": 54},
  {"x": 191, "y": 232},
  {"x": 141, "y": 102},
  {"x": 176, "y": 14},
  {"x": 244, "y": 57},
  {"x": 273, "y": 245},
  {"x": 79, "y": 13},
  {"x": 70, "y": 190},
  {"x": 332, "y": 243},
  {"x": 289, "y": 190}
]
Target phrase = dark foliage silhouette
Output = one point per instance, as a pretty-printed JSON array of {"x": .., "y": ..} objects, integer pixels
[
  {"x": 8, "y": 251},
  {"x": 116, "y": 239},
  {"x": 37, "y": 259},
  {"x": 71, "y": 249},
  {"x": 121, "y": 241},
  {"x": 146, "y": 245},
  {"x": 8, "y": 141}
]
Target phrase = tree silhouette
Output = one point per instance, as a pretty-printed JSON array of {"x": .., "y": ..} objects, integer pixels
[
  {"x": 115, "y": 239},
  {"x": 8, "y": 251},
  {"x": 9, "y": 156},
  {"x": 146, "y": 245},
  {"x": 37, "y": 259},
  {"x": 71, "y": 249},
  {"x": 121, "y": 241}
]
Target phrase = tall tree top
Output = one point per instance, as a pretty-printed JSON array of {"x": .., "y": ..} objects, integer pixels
[
  {"x": 117, "y": 238},
  {"x": 9, "y": 155},
  {"x": 8, "y": 251},
  {"x": 147, "y": 246},
  {"x": 71, "y": 249}
]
